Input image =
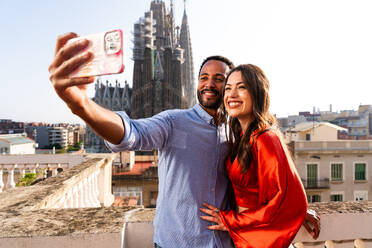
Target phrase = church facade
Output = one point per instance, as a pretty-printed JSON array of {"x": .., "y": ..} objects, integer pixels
[{"x": 114, "y": 97}]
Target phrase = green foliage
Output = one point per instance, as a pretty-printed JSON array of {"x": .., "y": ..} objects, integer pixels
[
  {"x": 61, "y": 151},
  {"x": 26, "y": 180},
  {"x": 73, "y": 148}
]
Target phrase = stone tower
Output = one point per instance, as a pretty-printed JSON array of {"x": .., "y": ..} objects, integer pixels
[
  {"x": 188, "y": 86},
  {"x": 163, "y": 64}
]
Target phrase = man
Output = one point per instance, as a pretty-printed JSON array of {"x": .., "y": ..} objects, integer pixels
[{"x": 192, "y": 149}]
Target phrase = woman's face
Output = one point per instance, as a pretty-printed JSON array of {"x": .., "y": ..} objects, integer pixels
[{"x": 238, "y": 101}]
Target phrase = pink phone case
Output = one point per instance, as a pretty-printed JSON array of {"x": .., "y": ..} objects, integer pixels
[{"x": 108, "y": 54}]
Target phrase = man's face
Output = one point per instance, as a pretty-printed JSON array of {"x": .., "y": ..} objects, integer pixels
[{"x": 211, "y": 80}]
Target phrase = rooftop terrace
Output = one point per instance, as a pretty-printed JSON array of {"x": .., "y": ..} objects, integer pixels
[{"x": 73, "y": 209}]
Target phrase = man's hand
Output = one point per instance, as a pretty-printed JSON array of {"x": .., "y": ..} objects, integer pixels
[
  {"x": 68, "y": 58},
  {"x": 73, "y": 91},
  {"x": 312, "y": 223},
  {"x": 214, "y": 217}
]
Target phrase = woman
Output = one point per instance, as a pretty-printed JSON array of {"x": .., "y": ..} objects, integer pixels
[{"x": 271, "y": 201}]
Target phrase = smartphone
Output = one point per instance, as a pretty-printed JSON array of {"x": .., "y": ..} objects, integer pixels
[{"x": 108, "y": 54}]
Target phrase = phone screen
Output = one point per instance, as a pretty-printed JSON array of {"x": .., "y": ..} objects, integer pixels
[{"x": 108, "y": 54}]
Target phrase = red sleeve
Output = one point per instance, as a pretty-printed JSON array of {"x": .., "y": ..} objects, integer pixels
[{"x": 272, "y": 166}]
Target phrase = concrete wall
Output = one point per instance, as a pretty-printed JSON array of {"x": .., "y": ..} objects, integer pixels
[
  {"x": 320, "y": 133},
  {"x": 28, "y": 148},
  {"x": 323, "y": 133},
  {"x": 42, "y": 137}
]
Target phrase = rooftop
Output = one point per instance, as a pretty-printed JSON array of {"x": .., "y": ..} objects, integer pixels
[
  {"x": 38, "y": 216},
  {"x": 15, "y": 139},
  {"x": 306, "y": 126}
]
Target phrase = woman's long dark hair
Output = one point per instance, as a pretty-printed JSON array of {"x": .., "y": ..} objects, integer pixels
[{"x": 258, "y": 86}]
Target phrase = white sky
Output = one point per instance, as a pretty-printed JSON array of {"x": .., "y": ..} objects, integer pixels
[{"x": 315, "y": 53}]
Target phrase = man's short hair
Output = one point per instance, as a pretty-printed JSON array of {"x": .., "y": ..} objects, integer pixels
[{"x": 219, "y": 58}]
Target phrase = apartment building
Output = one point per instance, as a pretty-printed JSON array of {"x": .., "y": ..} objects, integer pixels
[
  {"x": 58, "y": 135},
  {"x": 335, "y": 170},
  {"x": 8, "y": 126},
  {"x": 332, "y": 169}
]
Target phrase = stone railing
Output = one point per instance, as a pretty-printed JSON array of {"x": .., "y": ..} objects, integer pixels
[
  {"x": 87, "y": 185},
  {"x": 71, "y": 209},
  {"x": 316, "y": 183},
  {"x": 33, "y": 163}
]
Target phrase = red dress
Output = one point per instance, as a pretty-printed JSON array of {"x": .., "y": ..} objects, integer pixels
[{"x": 273, "y": 193}]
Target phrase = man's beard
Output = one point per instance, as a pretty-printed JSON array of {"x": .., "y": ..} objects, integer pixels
[{"x": 210, "y": 105}]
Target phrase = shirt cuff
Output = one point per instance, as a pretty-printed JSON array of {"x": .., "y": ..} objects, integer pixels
[{"x": 125, "y": 142}]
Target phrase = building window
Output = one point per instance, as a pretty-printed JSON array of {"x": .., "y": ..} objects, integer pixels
[
  {"x": 360, "y": 195},
  {"x": 337, "y": 198},
  {"x": 308, "y": 136},
  {"x": 360, "y": 171},
  {"x": 129, "y": 191},
  {"x": 312, "y": 175},
  {"x": 336, "y": 172},
  {"x": 313, "y": 198}
]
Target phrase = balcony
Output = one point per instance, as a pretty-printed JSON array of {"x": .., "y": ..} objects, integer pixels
[
  {"x": 316, "y": 184},
  {"x": 331, "y": 147},
  {"x": 73, "y": 209}
]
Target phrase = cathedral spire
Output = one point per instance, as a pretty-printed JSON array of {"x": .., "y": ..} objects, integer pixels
[
  {"x": 171, "y": 22},
  {"x": 184, "y": 18},
  {"x": 184, "y": 8},
  {"x": 188, "y": 65}
]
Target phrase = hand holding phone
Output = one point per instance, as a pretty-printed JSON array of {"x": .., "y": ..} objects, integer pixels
[{"x": 107, "y": 50}]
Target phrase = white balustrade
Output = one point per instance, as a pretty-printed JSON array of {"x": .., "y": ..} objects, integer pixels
[
  {"x": 69, "y": 200},
  {"x": 81, "y": 195},
  {"x": 80, "y": 191},
  {"x": 93, "y": 188},
  {"x": 357, "y": 243},
  {"x": 32, "y": 167},
  {"x": 22, "y": 172},
  {"x": 85, "y": 193},
  {"x": 89, "y": 192},
  {"x": 61, "y": 202},
  {"x": 75, "y": 196},
  {"x": 11, "y": 183},
  {"x": 95, "y": 185},
  {"x": 1, "y": 180},
  {"x": 329, "y": 244}
]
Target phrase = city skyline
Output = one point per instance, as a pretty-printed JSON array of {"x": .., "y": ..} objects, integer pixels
[{"x": 314, "y": 54}]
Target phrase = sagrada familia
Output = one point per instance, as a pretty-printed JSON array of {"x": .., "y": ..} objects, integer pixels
[{"x": 163, "y": 73}]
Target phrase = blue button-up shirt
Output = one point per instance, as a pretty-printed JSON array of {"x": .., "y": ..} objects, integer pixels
[{"x": 192, "y": 151}]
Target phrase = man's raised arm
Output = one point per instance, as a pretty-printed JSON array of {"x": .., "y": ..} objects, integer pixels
[{"x": 73, "y": 91}]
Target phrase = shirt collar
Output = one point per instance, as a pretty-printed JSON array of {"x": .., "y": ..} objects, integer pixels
[{"x": 203, "y": 114}]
